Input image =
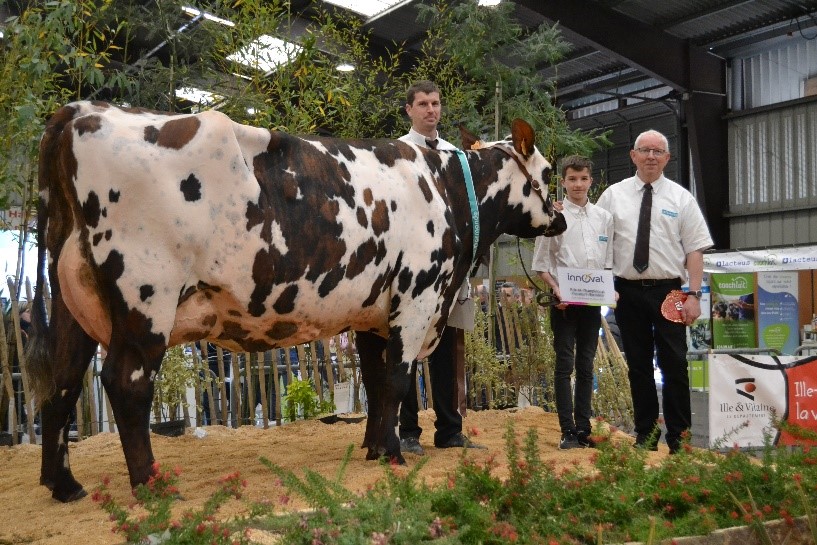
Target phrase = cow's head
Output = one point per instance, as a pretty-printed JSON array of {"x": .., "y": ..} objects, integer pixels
[{"x": 527, "y": 192}]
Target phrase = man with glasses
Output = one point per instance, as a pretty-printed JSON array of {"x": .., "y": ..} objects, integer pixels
[{"x": 659, "y": 236}]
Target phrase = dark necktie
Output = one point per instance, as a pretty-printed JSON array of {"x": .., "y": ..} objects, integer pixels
[
  {"x": 431, "y": 143},
  {"x": 641, "y": 257}
]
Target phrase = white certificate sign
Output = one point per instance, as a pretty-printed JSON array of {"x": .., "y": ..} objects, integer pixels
[{"x": 587, "y": 287}]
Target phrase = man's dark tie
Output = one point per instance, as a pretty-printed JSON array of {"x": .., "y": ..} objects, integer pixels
[
  {"x": 431, "y": 143},
  {"x": 641, "y": 257}
]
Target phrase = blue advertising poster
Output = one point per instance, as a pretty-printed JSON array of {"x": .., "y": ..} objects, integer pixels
[{"x": 777, "y": 313}]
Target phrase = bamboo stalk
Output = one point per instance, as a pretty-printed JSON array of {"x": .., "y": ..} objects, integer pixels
[
  {"x": 249, "y": 376},
  {"x": 27, "y": 401},
  {"x": 302, "y": 362},
  {"x": 197, "y": 365},
  {"x": 235, "y": 383},
  {"x": 9, "y": 384},
  {"x": 316, "y": 372},
  {"x": 277, "y": 389},
  {"x": 262, "y": 387},
  {"x": 222, "y": 385}
]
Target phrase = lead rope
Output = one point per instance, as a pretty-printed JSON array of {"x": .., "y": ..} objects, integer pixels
[{"x": 543, "y": 298}]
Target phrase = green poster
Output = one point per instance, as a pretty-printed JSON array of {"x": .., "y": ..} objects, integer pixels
[{"x": 733, "y": 310}]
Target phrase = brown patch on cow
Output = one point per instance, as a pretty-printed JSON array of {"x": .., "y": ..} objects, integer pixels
[
  {"x": 290, "y": 188},
  {"x": 186, "y": 294},
  {"x": 331, "y": 281},
  {"x": 113, "y": 196},
  {"x": 380, "y": 218},
  {"x": 91, "y": 210},
  {"x": 145, "y": 291},
  {"x": 368, "y": 198},
  {"x": 191, "y": 188},
  {"x": 97, "y": 239},
  {"x": 175, "y": 134},
  {"x": 209, "y": 320},
  {"x": 262, "y": 275},
  {"x": 88, "y": 123},
  {"x": 430, "y": 227},
  {"x": 362, "y": 256},
  {"x": 233, "y": 330},
  {"x": 329, "y": 210},
  {"x": 282, "y": 330},
  {"x": 286, "y": 301},
  {"x": 361, "y": 217},
  {"x": 108, "y": 234},
  {"x": 233, "y": 312},
  {"x": 422, "y": 183}
]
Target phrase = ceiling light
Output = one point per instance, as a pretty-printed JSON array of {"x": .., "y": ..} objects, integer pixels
[
  {"x": 209, "y": 16},
  {"x": 367, "y": 8},
  {"x": 345, "y": 67},
  {"x": 266, "y": 53}
]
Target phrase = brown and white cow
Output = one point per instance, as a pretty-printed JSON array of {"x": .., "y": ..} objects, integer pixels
[{"x": 162, "y": 229}]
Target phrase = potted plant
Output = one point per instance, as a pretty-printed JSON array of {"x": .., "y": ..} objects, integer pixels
[{"x": 177, "y": 374}]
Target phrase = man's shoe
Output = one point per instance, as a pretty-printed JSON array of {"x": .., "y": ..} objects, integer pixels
[
  {"x": 412, "y": 445},
  {"x": 568, "y": 441},
  {"x": 584, "y": 440},
  {"x": 459, "y": 441}
]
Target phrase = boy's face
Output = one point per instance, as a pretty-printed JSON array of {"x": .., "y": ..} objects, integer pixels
[{"x": 577, "y": 183}]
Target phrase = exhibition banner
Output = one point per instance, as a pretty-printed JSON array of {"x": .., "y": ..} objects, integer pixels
[
  {"x": 801, "y": 377},
  {"x": 744, "y": 393},
  {"x": 733, "y": 310},
  {"x": 772, "y": 259},
  {"x": 699, "y": 338},
  {"x": 777, "y": 312},
  {"x": 747, "y": 392}
]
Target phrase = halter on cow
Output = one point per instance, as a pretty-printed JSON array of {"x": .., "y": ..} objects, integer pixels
[{"x": 163, "y": 229}]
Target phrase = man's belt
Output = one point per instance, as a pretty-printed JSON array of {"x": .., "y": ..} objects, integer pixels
[{"x": 648, "y": 282}]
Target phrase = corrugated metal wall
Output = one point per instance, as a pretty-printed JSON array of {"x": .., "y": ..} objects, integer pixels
[
  {"x": 775, "y": 73},
  {"x": 773, "y": 176}
]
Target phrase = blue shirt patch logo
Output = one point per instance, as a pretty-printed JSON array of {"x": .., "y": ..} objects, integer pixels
[
  {"x": 602, "y": 238},
  {"x": 669, "y": 213}
]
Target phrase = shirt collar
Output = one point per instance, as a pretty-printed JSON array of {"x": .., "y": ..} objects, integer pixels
[
  {"x": 419, "y": 139},
  {"x": 574, "y": 208},
  {"x": 639, "y": 184}
]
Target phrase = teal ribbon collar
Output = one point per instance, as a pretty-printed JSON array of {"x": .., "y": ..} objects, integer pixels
[{"x": 472, "y": 201}]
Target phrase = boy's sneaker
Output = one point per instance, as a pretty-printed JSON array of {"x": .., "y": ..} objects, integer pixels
[
  {"x": 569, "y": 440},
  {"x": 583, "y": 437}
]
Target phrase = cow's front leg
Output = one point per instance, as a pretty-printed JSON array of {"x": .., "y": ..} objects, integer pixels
[{"x": 128, "y": 380}]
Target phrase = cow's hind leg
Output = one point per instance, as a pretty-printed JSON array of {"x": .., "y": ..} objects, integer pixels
[
  {"x": 130, "y": 368},
  {"x": 390, "y": 381},
  {"x": 71, "y": 349}
]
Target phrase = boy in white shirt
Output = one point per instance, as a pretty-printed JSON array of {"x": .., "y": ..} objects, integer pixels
[{"x": 586, "y": 244}]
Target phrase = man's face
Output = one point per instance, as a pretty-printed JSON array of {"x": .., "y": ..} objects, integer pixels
[
  {"x": 649, "y": 165},
  {"x": 424, "y": 112},
  {"x": 577, "y": 183}
]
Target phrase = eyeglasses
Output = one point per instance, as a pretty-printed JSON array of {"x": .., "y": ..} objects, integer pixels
[{"x": 646, "y": 151}]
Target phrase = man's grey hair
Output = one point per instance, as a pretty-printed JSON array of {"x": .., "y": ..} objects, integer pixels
[{"x": 651, "y": 132}]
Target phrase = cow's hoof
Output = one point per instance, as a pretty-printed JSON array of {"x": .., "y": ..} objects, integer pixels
[
  {"x": 72, "y": 494},
  {"x": 397, "y": 459},
  {"x": 374, "y": 454},
  {"x": 48, "y": 483}
]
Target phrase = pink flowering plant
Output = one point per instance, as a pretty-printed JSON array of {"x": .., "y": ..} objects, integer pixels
[
  {"x": 623, "y": 497},
  {"x": 149, "y": 518}
]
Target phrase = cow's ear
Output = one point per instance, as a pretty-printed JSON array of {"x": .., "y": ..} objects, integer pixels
[
  {"x": 523, "y": 137},
  {"x": 467, "y": 137}
]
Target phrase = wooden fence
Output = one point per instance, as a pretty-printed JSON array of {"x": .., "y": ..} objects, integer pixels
[{"x": 249, "y": 388}]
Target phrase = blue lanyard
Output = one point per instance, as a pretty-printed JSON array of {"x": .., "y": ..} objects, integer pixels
[{"x": 472, "y": 201}]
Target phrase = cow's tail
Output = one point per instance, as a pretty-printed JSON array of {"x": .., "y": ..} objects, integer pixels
[{"x": 39, "y": 360}]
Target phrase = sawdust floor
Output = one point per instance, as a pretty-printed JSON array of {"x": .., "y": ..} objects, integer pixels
[{"x": 29, "y": 515}]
